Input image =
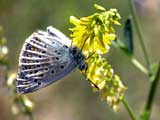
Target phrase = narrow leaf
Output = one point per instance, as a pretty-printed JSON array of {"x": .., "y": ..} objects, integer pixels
[{"x": 128, "y": 35}]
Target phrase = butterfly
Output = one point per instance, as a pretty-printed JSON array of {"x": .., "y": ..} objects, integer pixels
[{"x": 46, "y": 57}]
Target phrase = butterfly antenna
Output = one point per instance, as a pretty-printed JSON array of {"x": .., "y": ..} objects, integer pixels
[
  {"x": 83, "y": 44},
  {"x": 83, "y": 47}
]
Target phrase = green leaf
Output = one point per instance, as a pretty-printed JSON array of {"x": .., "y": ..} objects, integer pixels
[{"x": 128, "y": 35}]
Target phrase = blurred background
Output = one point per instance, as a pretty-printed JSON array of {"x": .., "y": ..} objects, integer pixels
[{"x": 72, "y": 98}]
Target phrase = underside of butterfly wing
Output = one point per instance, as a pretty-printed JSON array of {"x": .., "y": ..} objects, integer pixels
[{"x": 43, "y": 60}]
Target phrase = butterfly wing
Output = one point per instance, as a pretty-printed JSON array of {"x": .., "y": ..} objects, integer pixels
[{"x": 44, "y": 59}]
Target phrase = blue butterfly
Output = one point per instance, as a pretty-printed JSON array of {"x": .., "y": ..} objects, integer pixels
[{"x": 47, "y": 56}]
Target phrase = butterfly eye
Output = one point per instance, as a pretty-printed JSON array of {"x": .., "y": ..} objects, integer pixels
[{"x": 65, "y": 46}]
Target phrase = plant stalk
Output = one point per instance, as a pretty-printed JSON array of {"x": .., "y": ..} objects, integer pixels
[
  {"x": 151, "y": 95},
  {"x": 129, "y": 109},
  {"x": 139, "y": 32}
]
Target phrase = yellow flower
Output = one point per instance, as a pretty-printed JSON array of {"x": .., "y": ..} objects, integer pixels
[
  {"x": 94, "y": 33},
  {"x": 103, "y": 79}
]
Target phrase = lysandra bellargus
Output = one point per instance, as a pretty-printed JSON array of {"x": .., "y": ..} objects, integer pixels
[{"x": 46, "y": 56}]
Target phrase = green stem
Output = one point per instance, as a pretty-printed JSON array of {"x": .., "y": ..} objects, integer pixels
[
  {"x": 139, "y": 31},
  {"x": 147, "y": 110},
  {"x": 129, "y": 110}
]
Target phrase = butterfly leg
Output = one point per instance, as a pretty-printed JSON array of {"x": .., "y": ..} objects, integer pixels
[
  {"x": 90, "y": 55},
  {"x": 84, "y": 74}
]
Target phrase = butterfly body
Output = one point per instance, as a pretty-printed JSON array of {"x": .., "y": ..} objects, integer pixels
[{"x": 45, "y": 58}]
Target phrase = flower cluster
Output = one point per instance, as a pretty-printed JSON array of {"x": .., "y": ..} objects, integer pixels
[
  {"x": 103, "y": 79},
  {"x": 93, "y": 34}
]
